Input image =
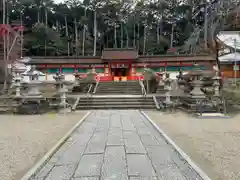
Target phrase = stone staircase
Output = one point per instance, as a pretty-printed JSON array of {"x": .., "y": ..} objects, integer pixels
[
  {"x": 160, "y": 89},
  {"x": 116, "y": 102},
  {"x": 121, "y": 87}
]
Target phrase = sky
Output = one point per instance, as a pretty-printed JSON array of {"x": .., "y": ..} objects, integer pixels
[{"x": 58, "y": 1}]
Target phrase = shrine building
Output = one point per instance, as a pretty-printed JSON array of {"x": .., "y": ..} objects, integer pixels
[{"x": 119, "y": 64}]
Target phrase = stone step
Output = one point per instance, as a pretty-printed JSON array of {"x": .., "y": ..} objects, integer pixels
[
  {"x": 116, "y": 87},
  {"x": 116, "y": 103},
  {"x": 84, "y": 103},
  {"x": 115, "y": 99},
  {"x": 119, "y": 90},
  {"x": 113, "y": 88},
  {"x": 118, "y": 84},
  {"x": 120, "y": 106},
  {"x": 117, "y": 93},
  {"x": 120, "y": 87},
  {"x": 127, "y": 87}
]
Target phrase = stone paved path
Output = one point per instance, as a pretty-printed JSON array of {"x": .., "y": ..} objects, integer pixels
[{"x": 116, "y": 145}]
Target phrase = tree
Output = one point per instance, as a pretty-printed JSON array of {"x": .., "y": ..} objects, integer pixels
[{"x": 88, "y": 26}]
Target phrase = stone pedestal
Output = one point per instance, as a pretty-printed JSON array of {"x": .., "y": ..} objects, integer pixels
[
  {"x": 197, "y": 92},
  {"x": 34, "y": 89}
]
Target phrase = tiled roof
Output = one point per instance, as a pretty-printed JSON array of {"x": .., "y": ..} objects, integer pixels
[
  {"x": 65, "y": 60},
  {"x": 140, "y": 59}
]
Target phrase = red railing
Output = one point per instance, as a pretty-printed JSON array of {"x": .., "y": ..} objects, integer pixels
[
  {"x": 105, "y": 78},
  {"x": 135, "y": 78}
]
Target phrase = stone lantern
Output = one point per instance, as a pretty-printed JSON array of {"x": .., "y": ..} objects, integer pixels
[
  {"x": 168, "y": 88},
  {"x": 61, "y": 89},
  {"x": 216, "y": 84},
  {"x": 18, "y": 69},
  {"x": 34, "y": 82}
]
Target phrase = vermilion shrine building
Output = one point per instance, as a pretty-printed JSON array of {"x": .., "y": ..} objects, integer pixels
[{"x": 120, "y": 64}]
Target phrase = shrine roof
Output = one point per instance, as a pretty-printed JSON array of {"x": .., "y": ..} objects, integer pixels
[
  {"x": 65, "y": 60},
  {"x": 176, "y": 58},
  {"x": 119, "y": 53},
  {"x": 140, "y": 59}
]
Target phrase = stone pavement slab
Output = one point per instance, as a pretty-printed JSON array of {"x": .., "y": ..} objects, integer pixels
[
  {"x": 114, "y": 166},
  {"x": 116, "y": 145},
  {"x": 140, "y": 165},
  {"x": 89, "y": 165}
]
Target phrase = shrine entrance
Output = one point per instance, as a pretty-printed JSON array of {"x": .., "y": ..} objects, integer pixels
[{"x": 120, "y": 72}]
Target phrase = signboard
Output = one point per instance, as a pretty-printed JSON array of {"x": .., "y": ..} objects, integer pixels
[
  {"x": 119, "y": 65},
  {"x": 236, "y": 68}
]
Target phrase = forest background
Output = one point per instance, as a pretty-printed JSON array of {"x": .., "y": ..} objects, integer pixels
[{"x": 85, "y": 28}]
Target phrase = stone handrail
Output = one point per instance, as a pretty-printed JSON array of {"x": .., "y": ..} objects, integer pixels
[
  {"x": 144, "y": 93},
  {"x": 89, "y": 90},
  {"x": 95, "y": 88}
]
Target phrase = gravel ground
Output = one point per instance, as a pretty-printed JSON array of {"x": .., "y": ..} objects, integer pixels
[
  {"x": 25, "y": 139},
  {"x": 213, "y": 144}
]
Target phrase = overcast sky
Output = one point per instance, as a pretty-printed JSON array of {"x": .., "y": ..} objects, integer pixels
[{"x": 58, "y": 1}]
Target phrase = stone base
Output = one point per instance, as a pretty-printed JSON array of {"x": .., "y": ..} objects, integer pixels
[
  {"x": 64, "y": 110},
  {"x": 211, "y": 115}
]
